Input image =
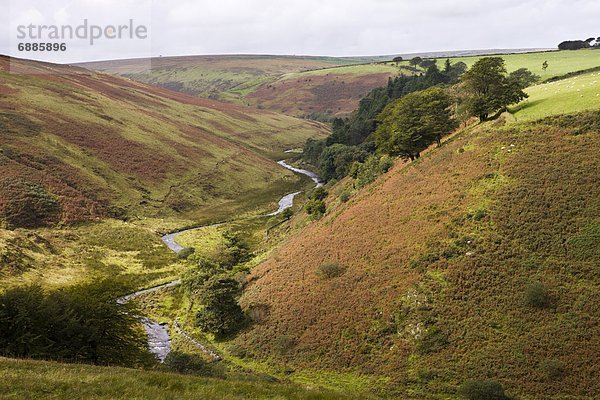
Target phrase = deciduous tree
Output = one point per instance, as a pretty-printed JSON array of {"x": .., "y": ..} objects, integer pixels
[
  {"x": 221, "y": 314},
  {"x": 415, "y": 61},
  {"x": 413, "y": 122},
  {"x": 490, "y": 88}
]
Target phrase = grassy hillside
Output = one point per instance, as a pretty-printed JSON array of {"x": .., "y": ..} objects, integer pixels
[
  {"x": 559, "y": 62},
  {"x": 57, "y": 257},
  {"x": 22, "y": 379},
  {"x": 77, "y": 145},
  {"x": 324, "y": 92},
  {"x": 563, "y": 96},
  {"x": 270, "y": 82},
  {"x": 476, "y": 262},
  {"x": 223, "y": 77}
]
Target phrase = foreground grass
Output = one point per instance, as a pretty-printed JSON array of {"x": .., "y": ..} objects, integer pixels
[{"x": 24, "y": 379}]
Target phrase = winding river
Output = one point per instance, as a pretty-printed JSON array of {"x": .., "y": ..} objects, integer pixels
[{"x": 159, "y": 340}]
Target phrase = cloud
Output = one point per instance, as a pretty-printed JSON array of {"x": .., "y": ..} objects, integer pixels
[{"x": 320, "y": 27}]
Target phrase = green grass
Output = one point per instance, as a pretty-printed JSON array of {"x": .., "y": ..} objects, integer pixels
[
  {"x": 204, "y": 240},
  {"x": 569, "y": 95},
  {"x": 559, "y": 62},
  {"x": 23, "y": 379},
  {"x": 108, "y": 249},
  {"x": 355, "y": 70}
]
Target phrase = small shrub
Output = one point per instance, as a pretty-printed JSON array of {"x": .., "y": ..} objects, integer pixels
[
  {"x": 553, "y": 369},
  {"x": 537, "y": 295},
  {"x": 386, "y": 163},
  {"x": 284, "y": 344},
  {"x": 478, "y": 215},
  {"x": 344, "y": 197},
  {"x": 185, "y": 253},
  {"x": 184, "y": 363},
  {"x": 433, "y": 340},
  {"x": 330, "y": 270},
  {"x": 316, "y": 208},
  {"x": 319, "y": 194},
  {"x": 366, "y": 172},
  {"x": 287, "y": 214},
  {"x": 483, "y": 390}
]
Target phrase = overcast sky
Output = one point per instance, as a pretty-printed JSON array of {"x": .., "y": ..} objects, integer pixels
[{"x": 307, "y": 27}]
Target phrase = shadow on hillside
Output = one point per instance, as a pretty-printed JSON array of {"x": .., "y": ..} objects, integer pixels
[{"x": 526, "y": 104}]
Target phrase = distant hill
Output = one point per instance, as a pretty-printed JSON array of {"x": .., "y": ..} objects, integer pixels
[
  {"x": 459, "y": 53},
  {"x": 227, "y": 77},
  {"x": 312, "y": 87}
]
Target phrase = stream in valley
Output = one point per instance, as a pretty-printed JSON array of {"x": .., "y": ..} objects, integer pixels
[{"x": 159, "y": 340}]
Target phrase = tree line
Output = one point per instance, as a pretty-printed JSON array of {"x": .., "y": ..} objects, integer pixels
[
  {"x": 579, "y": 44},
  {"x": 413, "y": 112}
]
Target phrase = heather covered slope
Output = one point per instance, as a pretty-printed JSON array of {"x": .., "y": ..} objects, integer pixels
[
  {"x": 288, "y": 84},
  {"x": 323, "y": 93},
  {"x": 478, "y": 261},
  {"x": 76, "y": 145},
  {"x": 228, "y": 77}
]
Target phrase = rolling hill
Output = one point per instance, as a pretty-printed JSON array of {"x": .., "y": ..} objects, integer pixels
[
  {"x": 78, "y": 145},
  {"x": 577, "y": 93},
  {"x": 323, "y": 93},
  {"x": 270, "y": 82},
  {"x": 479, "y": 261},
  {"x": 228, "y": 77},
  {"x": 313, "y": 87}
]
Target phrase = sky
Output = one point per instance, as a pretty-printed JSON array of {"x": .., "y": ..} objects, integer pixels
[{"x": 307, "y": 27}]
